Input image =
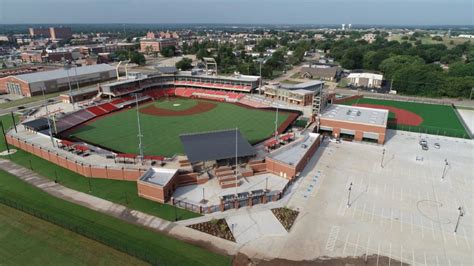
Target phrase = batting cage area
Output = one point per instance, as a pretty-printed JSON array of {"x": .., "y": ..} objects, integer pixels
[
  {"x": 162, "y": 122},
  {"x": 417, "y": 117}
]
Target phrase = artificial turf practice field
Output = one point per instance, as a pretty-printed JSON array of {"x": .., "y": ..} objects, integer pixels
[
  {"x": 164, "y": 120},
  {"x": 436, "y": 119}
]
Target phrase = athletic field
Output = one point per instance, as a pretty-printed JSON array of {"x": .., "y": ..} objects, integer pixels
[
  {"x": 164, "y": 120},
  {"x": 418, "y": 117}
]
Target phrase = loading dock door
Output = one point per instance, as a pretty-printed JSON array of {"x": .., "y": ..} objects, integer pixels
[
  {"x": 371, "y": 135},
  {"x": 347, "y": 131}
]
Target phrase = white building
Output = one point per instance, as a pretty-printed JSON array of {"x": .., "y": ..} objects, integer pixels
[{"x": 369, "y": 80}]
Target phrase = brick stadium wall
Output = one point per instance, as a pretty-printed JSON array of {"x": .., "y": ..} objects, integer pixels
[{"x": 86, "y": 170}]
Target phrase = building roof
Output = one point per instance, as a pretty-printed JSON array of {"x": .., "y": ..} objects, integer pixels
[
  {"x": 158, "y": 176},
  {"x": 292, "y": 153},
  {"x": 366, "y": 75},
  {"x": 323, "y": 72},
  {"x": 37, "y": 124},
  {"x": 62, "y": 73},
  {"x": 81, "y": 91},
  {"x": 215, "y": 145},
  {"x": 356, "y": 114},
  {"x": 167, "y": 69},
  {"x": 304, "y": 85}
]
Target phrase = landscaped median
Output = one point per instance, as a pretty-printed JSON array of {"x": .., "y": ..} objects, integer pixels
[
  {"x": 137, "y": 241},
  {"x": 120, "y": 192}
]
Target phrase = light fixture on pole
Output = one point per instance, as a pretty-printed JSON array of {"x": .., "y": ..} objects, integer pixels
[
  {"x": 349, "y": 196},
  {"x": 461, "y": 214},
  {"x": 444, "y": 170}
]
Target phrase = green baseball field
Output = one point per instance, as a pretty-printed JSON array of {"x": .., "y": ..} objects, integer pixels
[
  {"x": 164, "y": 120},
  {"x": 417, "y": 117}
]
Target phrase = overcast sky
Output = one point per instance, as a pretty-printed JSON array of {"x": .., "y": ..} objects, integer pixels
[{"x": 398, "y": 12}]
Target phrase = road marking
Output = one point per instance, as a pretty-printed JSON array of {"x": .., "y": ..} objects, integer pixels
[
  {"x": 373, "y": 213},
  {"x": 465, "y": 238},
  {"x": 391, "y": 219},
  {"x": 345, "y": 244},
  {"x": 389, "y": 253},
  {"x": 401, "y": 193},
  {"x": 424, "y": 254},
  {"x": 401, "y": 222},
  {"x": 456, "y": 239},
  {"x": 422, "y": 228},
  {"x": 401, "y": 255},
  {"x": 378, "y": 254},
  {"x": 363, "y": 212},
  {"x": 332, "y": 238},
  {"x": 437, "y": 260},
  {"x": 411, "y": 223},
  {"x": 367, "y": 248},
  {"x": 383, "y": 217},
  {"x": 432, "y": 230},
  {"x": 413, "y": 256},
  {"x": 356, "y": 245}
]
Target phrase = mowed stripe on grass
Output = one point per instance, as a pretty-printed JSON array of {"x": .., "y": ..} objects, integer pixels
[
  {"x": 437, "y": 119},
  {"x": 31, "y": 241},
  {"x": 161, "y": 133}
]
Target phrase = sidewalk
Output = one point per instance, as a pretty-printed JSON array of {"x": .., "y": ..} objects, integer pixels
[{"x": 121, "y": 212}]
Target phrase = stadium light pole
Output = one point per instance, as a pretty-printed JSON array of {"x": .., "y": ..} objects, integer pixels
[
  {"x": 349, "y": 196},
  {"x": 48, "y": 117},
  {"x": 67, "y": 66},
  {"x": 5, "y": 137},
  {"x": 75, "y": 77},
  {"x": 140, "y": 136},
  {"x": 444, "y": 170},
  {"x": 461, "y": 214},
  {"x": 383, "y": 155},
  {"x": 236, "y": 162}
]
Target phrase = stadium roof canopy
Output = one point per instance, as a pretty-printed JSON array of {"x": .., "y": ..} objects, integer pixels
[
  {"x": 215, "y": 145},
  {"x": 37, "y": 124}
]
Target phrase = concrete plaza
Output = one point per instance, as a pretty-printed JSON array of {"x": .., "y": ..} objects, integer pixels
[{"x": 401, "y": 208}]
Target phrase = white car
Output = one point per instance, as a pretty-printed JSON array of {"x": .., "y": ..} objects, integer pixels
[
  {"x": 334, "y": 140},
  {"x": 437, "y": 146}
]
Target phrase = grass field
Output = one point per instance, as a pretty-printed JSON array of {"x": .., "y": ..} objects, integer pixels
[
  {"x": 161, "y": 133},
  {"x": 121, "y": 192},
  {"x": 31, "y": 241},
  {"x": 160, "y": 248},
  {"x": 437, "y": 119}
]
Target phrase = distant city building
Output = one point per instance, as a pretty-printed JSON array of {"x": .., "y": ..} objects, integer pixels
[
  {"x": 156, "y": 45},
  {"x": 369, "y": 80},
  {"x": 51, "y": 33},
  {"x": 56, "y": 80}
]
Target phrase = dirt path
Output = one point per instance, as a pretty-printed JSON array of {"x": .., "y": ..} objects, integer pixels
[{"x": 200, "y": 107}]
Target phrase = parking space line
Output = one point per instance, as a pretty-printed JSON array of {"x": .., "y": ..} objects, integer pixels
[
  {"x": 465, "y": 238},
  {"x": 413, "y": 256},
  {"x": 424, "y": 254},
  {"x": 422, "y": 228},
  {"x": 432, "y": 230},
  {"x": 401, "y": 221},
  {"x": 389, "y": 252},
  {"x": 345, "y": 245},
  {"x": 411, "y": 222},
  {"x": 437, "y": 260},
  {"x": 391, "y": 219},
  {"x": 378, "y": 254},
  {"x": 381, "y": 214},
  {"x": 367, "y": 248},
  {"x": 363, "y": 212},
  {"x": 401, "y": 193},
  {"x": 373, "y": 213},
  {"x": 356, "y": 245},
  {"x": 455, "y": 239}
]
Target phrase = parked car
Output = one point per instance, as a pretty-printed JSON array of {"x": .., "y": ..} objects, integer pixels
[
  {"x": 334, "y": 140},
  {"x": 424, "y": 147},
  {"x": 423, "y": 142},
  {"x": 437, "y": 146}
]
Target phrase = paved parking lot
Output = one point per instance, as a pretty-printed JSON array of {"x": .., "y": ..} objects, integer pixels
[{"x": 404, "y": 210}]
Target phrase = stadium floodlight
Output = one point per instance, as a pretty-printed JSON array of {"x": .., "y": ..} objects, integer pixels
[
  {"x": 67, "y": 66},
  {"x": 48, "y": 117},
  {"x": 140, "y": 136}
]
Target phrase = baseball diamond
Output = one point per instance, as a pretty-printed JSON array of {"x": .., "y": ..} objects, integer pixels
[{"x": 162, "y": 122}]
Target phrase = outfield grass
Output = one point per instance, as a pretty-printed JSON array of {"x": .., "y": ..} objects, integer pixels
[
  {"x": 437, "y": 119},
  {"x": 121, "y": 192},
  {"x": 161, "y": 248},
  {"x": 31, "y": 241},
  {"x": 161, "y": 133}
]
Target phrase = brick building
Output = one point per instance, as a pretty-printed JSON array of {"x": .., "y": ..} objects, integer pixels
[
  {"x": 359, "y": 123},
  {"x": 56, "y": 80},
  {"x": 300, "y": 94},
  {"x": 156, "y": 45},
  {"x": 51, "y": 33}
]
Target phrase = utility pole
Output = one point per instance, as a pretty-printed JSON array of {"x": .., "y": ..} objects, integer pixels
[
  {"x": 349, "y": 196},
  {"x": 48, "y": 117},
  {"x": 140, "y": 136},
  {"x": 461, "y": 214},
  {"x": 444, "y": 170},
  {"x": 276, "y": 123},
  {"x": 13, "y": 121},
  {"x": 5, "y": 137},
  {"x": 260, "y": 89}
]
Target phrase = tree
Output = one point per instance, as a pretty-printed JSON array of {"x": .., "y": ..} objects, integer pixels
[
  {"x": 390, "y": 65},
  {"x": 437, "y": 38},
  {"x": 184, "y": 64},
  {"x": 461, "y": 70},
  {"x": 352, "y": 59},
  {"x": 419, "y": 79},
  {"x": 373, "y": 59},
  {"x": 168, "y": 51},
  {"x": 202, "y": 53}
]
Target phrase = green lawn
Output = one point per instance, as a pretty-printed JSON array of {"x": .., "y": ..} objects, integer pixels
[
  {"x": 437, "y": 119},
  {"x": 121, "y": 192},
  {"x": 31, "y": 241},
  {"x": 152, "y": 246},
  {"x": 161, "y": 133}
]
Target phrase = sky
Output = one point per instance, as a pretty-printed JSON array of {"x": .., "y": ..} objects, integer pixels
[{"x": 362, "y": 12}]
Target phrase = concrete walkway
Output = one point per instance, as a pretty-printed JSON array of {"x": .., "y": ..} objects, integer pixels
[{"x": 121, "y": 212}]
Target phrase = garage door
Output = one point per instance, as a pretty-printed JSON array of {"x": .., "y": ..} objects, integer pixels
[
  {"x": 325, "y": 128},
  {"x": 370, "y": 135},
  {"x": 347, "y": 131}
]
